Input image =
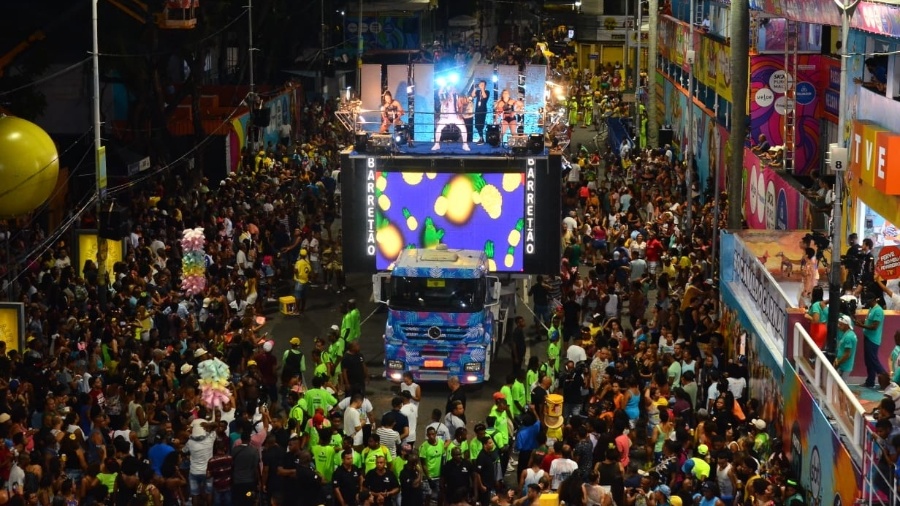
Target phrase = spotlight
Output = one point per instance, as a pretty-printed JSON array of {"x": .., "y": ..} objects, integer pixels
[
  {"x": 410, "y": 90},
  {"x": 454, "y": 78},
  {"x": 379, "y": 143},
  {"x": 361, "y": 142},
  {"x": 536, "y": 144},
  {"x": 493, "y": 135},
  {"x": 494, "y": 78},
  {"x": 401, "y": 134},
  {"x": 441, "y": 82}
]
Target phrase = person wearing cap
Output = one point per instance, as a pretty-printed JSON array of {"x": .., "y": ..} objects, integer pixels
[
  {"x": 760, "y": 437},
  {"x": 268, "y": 369},
  {"x": 793, "y": 493},
  {"x": 846, "y": 347},
  {"x": 697, "y": 465},
  {"x": 709, "y": 494},
  {"x": 293, "y": 362},
  {"x": 336, "y": 349},
  {"x": 302, "y": 272}
]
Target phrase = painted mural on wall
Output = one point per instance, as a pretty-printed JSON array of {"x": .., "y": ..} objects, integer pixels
[{"x": 769, "y": 106}]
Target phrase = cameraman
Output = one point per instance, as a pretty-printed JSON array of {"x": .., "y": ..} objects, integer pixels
[
  {"x": 851, "y": 261},
  {"x": 572, "y": 380},
  {"x": 867, "y": 289}
]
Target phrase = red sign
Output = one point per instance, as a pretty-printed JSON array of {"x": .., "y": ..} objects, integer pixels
[{"x": 887, "y": 265}]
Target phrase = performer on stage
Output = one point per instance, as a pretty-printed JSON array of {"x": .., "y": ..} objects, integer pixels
[
  {"x": 450, "y": 115},
  {"x": 505, "y": 110},
  {"x": 391, "y": 111},
  {"x": 480, "y": 98}
]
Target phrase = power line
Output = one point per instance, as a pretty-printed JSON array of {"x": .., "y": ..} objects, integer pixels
[
  {"x": 166, "y": 53},
  {"x": 46, "y": 78}
]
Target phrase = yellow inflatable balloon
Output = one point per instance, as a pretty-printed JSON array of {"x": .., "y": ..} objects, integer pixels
[{"x": 29, "y": 166}]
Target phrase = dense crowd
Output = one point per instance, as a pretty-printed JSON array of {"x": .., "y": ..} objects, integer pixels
[{"x": 636, "y": 399}]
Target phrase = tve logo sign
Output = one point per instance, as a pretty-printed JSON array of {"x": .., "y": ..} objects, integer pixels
[
  {"x": 887, "y": 174},
  {"x": 866, "y": 155}
]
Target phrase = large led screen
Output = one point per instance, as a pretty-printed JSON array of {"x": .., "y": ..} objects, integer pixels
[
  {"x": 508, "y": 207},
  {"x": 463, "y": 211}
]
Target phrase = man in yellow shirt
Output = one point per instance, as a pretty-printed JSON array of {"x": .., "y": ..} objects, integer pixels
[{"x": 302, "y": 270}]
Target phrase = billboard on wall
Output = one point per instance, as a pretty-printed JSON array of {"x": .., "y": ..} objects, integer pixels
[
  {"x": 385, "y": 31},
  {"x": 771, "y": 202},
  {"x": 769, "y": 105},
  {"x": 819, "y": 459}
]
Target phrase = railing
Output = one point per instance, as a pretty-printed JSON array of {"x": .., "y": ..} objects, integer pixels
[
  {"x": 879, "y": 483},
  {"x": 831, "y": 391}
]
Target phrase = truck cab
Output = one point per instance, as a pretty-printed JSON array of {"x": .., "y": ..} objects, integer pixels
[{"x": 442, "y": 312}]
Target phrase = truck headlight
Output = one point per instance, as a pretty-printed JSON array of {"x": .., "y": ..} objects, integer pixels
[
  {"x": 395, "y": 364},
  {"x": 473, "y": 366}
]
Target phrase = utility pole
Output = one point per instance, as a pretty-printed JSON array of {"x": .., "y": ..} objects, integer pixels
[
  {"x": 250, "y": 49},
  {"x": 359, "y": 51},
  {"x": 637, "y": 72},
  {"x": 100, "y": 163},
  {"x": 839, "y": 166},
  {"x": 689, "y": 152},
  {"x": 652, "y": 119},
  {"x": 740, "y": 48},
  {"x": 321, "y": 79}
]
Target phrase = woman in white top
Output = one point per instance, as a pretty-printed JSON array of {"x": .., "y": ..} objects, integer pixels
[
  {"x": 408, "y": 385},
  {"x": 596, "y": 494}
]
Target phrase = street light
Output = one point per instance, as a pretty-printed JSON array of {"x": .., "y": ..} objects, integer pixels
[{"x": 637, "y": 69}]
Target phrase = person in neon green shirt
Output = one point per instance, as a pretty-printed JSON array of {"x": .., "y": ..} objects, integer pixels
[
  {"x": 532, "y": 376},
  {"x": 321, "y": 368},
  {"x": 506, "y": 390},
  {"x": 400, "y": 460},
  {"x": 374, "y": 450},
  {"x": 318, "y": 397},
  {"x": 895, "y": 358},
  {"x": 553, "y": 352},
  {"x": 351, "y": 328},
  {"x": 347, "y": 446},
  {"x": 323, "y": 455},
  {"x": 519, "y": 398},
  {"x": 459, "y": 441},
  {"x": 475, "y": 445},
  {"x": 314, "y": 427},
  {"x": 336, "y": 350},
  {"x": 432, "y": 454}
]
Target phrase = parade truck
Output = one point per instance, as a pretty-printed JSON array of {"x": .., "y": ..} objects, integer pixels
[{"x": 443, "y": 309}]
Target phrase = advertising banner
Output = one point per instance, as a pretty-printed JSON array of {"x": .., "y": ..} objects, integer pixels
[
  {"x": 887, "y": 265},
  {"x": 818, "y": 458},
  {"x": 723, "y": 70},
  {"x": 384, "y": 31},
  {"x": 769, "y": 105},
  {"x": 87, "y": 250},
  {"x": 771, "y": 202},
  {"x": 754, "y": 286},
  {"x": 12, "y": 325}
]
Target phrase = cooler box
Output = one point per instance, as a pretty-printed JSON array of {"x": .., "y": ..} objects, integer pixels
[
  {"x": 287, "y": 305},
  {"x": 549, "y": 499}
]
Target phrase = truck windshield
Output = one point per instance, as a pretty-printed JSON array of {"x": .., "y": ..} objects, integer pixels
[{"x": 437, "y": 295}]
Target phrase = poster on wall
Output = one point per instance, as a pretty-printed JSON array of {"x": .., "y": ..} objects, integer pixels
[
  {"x": 818, "y": 457},
  {"x": 772, "y": 203},
  {"x": 87, "y": 250},
  {"x": 12, "y": 325},
  {"x": 769, "y": 105}
]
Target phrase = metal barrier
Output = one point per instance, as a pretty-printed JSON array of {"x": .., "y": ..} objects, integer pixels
[
  {"x": 831, "y": 391},
  {"x": 879, "y": 486}
]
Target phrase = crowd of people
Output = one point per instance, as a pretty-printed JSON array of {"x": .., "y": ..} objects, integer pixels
[{"x": 636, "y": 399}]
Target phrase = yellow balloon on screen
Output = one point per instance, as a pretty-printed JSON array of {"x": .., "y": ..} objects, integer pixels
[{"x": 29, "y": 166}]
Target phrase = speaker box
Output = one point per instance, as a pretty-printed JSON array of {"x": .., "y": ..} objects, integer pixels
[
  {"x": 360, "y": 141},
  {"x": 665, "y": 137},
  {"x": 114, "y": 223},
  {"x": 536, "y": 144},
  {"x": 492, "y": 132},
  {"x": 261, "y": 117},
  {"x": 451, "y": 133}
]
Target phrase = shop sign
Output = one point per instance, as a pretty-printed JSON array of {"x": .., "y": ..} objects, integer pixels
[
  {"x": 866, "y": 156},
  {"x": 887, "y": 170},
  {"x": 887, "y": 265}
]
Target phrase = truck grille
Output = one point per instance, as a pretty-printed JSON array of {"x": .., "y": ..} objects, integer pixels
[{"x": 430, "y": 333}]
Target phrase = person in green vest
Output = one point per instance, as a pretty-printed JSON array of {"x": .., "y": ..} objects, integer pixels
[
  {"x": 500, "y": 437},
  {"x": 532, "y": 375},
  {"x": 318, "y": 397},
  {"x": 431, "y": 453},
  {"x": 336, "y": 349},
  {"x": 320, "y": 368},
  {"x": 475, "y": 444},
  {"x": 297, "y": 401},
  {"x": 519, "y": 399},
  {"x": 347, "y": 446},
  {"x": 372, "y": 451},
  {"x": 572, "y": 105},
  {"x": 400, "y": 460},
  {"x": 351, "y": 328},
  {"x": 293, "y": 363},
  {"x": 587, "y": 105},
  {"x": 313, "y": 428},
  {"x": 323, "y": 454},
  {"x": 553, "y": 351},
  {"x": 460, "y": 440},
  {"x": 506, "y": 390}
]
